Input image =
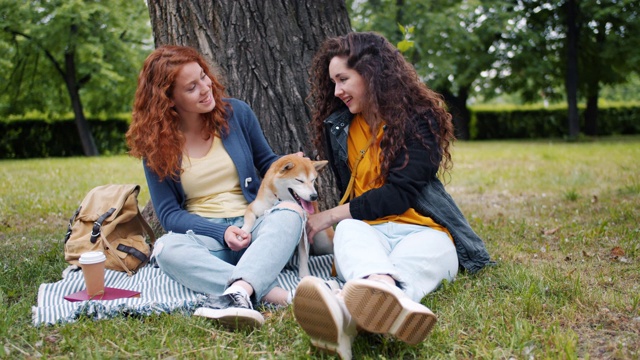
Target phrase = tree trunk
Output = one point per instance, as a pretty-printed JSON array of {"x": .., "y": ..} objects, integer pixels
[
  {"x": 84, "y": 131},
  {"x": 262, "y": 51},
  {"x": 458, "y": 108},
  {"x": 68, "y": 74},
  {"x": 571, "y": 82},
  {"x": 591, "y": 116},
  {"x": 593, "y": 83}
]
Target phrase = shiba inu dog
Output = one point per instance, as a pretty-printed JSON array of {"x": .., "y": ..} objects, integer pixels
[{"x": 292, "y": 178}]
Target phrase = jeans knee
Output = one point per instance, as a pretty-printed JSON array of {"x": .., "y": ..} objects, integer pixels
[
  {"x": 288, "y": 213},
  {"x": 164, "y": 256},
  {"x": 291, "y": 206},
  {"x": 344, "y": 230},
  {"x": 347, "y": 224},
  {"x": 284, "y": 221},
  {"x": 166, "y": 249}
]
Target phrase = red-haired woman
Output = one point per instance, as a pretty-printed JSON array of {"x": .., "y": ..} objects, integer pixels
[{"x": 200, "y": 153}]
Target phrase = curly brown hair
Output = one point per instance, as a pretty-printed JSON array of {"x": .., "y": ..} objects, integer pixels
[
  {"x": 155, "y": 134},
  {"x": 396, "y": 95}
]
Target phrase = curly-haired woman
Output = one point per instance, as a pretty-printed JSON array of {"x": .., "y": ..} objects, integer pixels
[
  {"x": 200, "y": 153},
  {"x": 399, "y": 235}
]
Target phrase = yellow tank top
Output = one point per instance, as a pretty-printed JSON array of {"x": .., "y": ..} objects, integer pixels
[
  {"x": 211, "y": 184},
  {"x": 369, "y": 169}
]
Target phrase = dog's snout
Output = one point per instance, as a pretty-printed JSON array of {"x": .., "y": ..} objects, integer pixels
[{"x": 314, "y": 197}]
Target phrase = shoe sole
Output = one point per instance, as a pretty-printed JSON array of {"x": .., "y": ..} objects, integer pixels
[
  {"x": 233, "y": 318},
  {"x": 317, "y": 311},
  {"x": 376, "y": 309}
]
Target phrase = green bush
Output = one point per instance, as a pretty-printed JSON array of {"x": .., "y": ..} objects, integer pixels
[
  {"x": 508, "y": 122},
  {"x": 617, "y": 120},
  {"x": 35, "y": 138}
]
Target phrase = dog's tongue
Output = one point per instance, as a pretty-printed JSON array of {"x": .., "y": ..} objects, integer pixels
[{"x": 307, "y": 206}]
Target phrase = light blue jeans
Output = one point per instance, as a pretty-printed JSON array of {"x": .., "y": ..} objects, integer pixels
[
  {"x": 204, "y": 265},
  {"x": 419, "y": 258}
]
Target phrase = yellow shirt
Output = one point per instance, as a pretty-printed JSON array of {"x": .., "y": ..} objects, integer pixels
[
  {"x": 369, "y": 169},
  {"x": 211, "y": 184}
]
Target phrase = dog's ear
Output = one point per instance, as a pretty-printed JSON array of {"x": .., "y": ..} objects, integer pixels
[
  {"x": 288, "y": 166},
  {"x": 320, "y": 164}
]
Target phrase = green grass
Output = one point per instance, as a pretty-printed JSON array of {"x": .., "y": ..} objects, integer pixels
[{"x": 551, "y": 214}]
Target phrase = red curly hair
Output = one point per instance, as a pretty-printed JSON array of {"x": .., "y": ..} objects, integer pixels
[
  {"x": 395, "y": 95},
  {"x": 154, "y": 134}
]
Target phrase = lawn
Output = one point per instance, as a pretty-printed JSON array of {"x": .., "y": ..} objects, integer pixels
[{"x": 560, "y": 219}]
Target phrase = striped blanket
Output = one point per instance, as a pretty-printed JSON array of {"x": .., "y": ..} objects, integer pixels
[{"x": 158, "y": 294}]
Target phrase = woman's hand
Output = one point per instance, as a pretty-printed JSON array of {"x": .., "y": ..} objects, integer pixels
[
  {"x": 324, "y": 219},
  {"x": 315, "y": 224},
  {"x": 236, "y": 238}
]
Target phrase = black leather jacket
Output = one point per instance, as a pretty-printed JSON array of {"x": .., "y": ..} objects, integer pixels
[{"x": 414, "y": 186}]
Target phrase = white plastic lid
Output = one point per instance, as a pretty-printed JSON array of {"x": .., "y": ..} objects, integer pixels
[{"x": 92, "y": 257}]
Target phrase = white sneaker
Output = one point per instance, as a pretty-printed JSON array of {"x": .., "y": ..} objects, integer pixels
[
  {"x": 232, "y": 310},
  {"x": 381, "y": 308},
  {"x": 324, "y": 317}
]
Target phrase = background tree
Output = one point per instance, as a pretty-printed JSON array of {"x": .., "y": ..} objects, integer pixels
[
  {"x": 485, "y": 48},
  {"x": 571, "y": 69},
  {"x": 625, "y": 92},
  {"x": 262, "y": 50},
  {"x": 71, "y": 55},
  {"x": 454, "y": 42},
  {"x": 604, "y": 35},
  {"x": 610, "y": 48}
]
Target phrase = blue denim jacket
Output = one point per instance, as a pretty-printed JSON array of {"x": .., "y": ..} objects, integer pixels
[{"x": 433, "y": 200}]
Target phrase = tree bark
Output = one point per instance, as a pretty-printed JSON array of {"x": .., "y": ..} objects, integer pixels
[
  {"x": 261, "y": 50},
  {"x": 571, "y": 82}
]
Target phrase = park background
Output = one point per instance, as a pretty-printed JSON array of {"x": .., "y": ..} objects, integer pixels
[{"x": 557, "y": 202}]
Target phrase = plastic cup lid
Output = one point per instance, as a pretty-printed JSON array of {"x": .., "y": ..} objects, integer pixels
[{"x": 92, "y": 257}]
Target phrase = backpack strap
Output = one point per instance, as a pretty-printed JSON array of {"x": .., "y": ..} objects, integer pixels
[
  {"x": 133, "y": 252},
  {"x": 98, "y": 224},
  {"x": 127, "y": 249},
  {"x": 107, "y": 248},
  {"x": 146, "y": 227},
  {"x": 71, "y": 221}
]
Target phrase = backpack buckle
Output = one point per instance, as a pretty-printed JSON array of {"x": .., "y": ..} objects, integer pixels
[{"x": 98, "y": 224}]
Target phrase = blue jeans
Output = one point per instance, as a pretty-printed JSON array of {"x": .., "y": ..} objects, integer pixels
[
  {"x": 419, "y": 258},
  {"x": 204, "y": 265}
]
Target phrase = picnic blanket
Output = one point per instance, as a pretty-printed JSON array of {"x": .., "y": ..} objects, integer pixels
[{"x": 158, "y": 293}]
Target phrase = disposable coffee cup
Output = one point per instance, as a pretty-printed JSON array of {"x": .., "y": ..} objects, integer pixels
[{"x": 92, "y": 264}]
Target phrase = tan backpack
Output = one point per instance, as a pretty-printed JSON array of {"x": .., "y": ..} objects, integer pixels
[{"x": 109, "y": 220}]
